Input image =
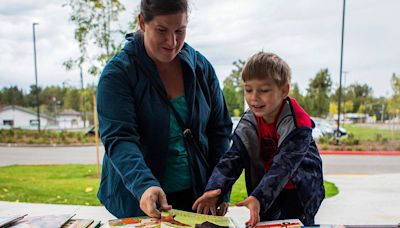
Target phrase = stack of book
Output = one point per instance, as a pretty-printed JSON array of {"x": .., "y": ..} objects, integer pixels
[{"x": 47, "y": 221}]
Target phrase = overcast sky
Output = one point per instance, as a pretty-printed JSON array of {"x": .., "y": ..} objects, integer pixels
[{"x": 306, "y": 33}]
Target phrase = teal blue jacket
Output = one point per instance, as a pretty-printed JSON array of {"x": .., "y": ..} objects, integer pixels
[{"x": 134, "y": 124}]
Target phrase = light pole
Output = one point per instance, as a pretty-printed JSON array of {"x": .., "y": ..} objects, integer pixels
[
  {"x": 36, "y": 80},
  {"x": 340, "y": 79},
  {"x": 345, "y": 94}
]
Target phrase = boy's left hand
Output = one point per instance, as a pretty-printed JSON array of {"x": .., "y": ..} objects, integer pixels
[
  {"x": 253, "y": 205},
  {"x": 207, "y": 202}
]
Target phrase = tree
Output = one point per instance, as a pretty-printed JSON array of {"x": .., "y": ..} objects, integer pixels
[
  {"x": 71, "y": 99},
  {"x": 360, "y": 95},
  {"x": 233, "y": 90},
  {"x": 316, "y": 101},
  {"x": 12, "y": 96},
  {"x": 31, "y": 99},
  {"x": 52, "y": 98},
  {"x": 395, "y": 81},
  {"x": 93, "y": 20},
  {"x": 394, "y": 101},
  {"x": 295, "y": 93}
]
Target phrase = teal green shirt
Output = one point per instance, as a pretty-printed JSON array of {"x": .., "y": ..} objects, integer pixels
[{"x": 177, "y": 173}]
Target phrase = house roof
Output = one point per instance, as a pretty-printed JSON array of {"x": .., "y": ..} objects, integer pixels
[
  {"x": 22, "y": 109},
  {"x": 69, "y": 112}
]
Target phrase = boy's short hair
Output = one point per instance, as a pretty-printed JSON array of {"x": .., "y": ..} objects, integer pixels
[{"x": 263, "y": 65}]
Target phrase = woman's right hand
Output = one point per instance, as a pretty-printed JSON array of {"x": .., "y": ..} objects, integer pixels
[{"x": 149, "y": 200}]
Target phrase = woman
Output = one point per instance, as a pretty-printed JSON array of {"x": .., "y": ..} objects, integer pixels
[{"x": 147, "y": 164}]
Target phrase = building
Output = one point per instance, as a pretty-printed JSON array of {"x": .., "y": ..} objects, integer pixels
[
  {"x": 19, "y": 117},
  {"x": 69, "y": 119},
  {"x": 354, "y": 118}
]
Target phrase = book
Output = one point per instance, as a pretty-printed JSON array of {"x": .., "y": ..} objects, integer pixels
[
  {"x": 287, "y": 223},
  {"x": 81, "y": 223},
  {"x": 43, "y": 221},
  {"x": 175, "y": 219},
  {"x": 10, "y": 220},
  {"x": 95, "y": 224}
]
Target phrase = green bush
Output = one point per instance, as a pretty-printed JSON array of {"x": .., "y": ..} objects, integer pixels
[
  {"x": 384, "y": 140},
  {"x": 378, "y": 137},
  {"x": 44, "y": 137},
  {"x": 11, "y": 141}
]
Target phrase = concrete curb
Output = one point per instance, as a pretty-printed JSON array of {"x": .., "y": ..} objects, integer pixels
[{"x": 351, "y": 152}]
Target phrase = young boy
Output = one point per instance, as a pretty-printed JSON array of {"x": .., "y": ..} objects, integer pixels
[{"x": 273, "y": 143}]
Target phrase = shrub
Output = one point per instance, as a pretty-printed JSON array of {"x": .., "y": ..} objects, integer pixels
[
  {"x": 378, "y": 137},
  {"x": 384, "y": 140},
  {"x": 359, "y": 148},
  {"x": 10, "y": 140}
]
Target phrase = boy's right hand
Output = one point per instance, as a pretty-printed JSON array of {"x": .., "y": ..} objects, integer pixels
[
  {"x": 149, "y": 200},
  {"x": 207, "y": 202},
  {"x": 253, "y": 205}
]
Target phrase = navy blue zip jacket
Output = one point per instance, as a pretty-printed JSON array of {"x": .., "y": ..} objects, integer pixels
[
  {"x": 134, "y": 123},
  {"x": 297, "y": 160}
]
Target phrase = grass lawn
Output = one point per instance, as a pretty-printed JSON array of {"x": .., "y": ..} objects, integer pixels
[
  {"x": 239, "y": 192},
  {"x": 72, "y": 184},
  {"x": 370, "y": 133},
  {"x": 55, "y": 184}
]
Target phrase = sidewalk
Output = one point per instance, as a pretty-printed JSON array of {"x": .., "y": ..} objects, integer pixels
[
  {"x": 359, "y": 202},
  {"x": 362, "y": 199}
]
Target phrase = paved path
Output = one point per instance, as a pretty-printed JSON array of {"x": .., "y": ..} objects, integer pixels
[
  {"x": 360, "y": 164},
  {"x": 362, "y": 199},
  {"x": 49, "y": 155}
]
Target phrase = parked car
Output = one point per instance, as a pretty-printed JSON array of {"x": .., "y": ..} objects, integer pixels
[
  {"x": 90, "y": 131},
  {"x": 328, "y": 129},
  {"x": 317, "y": 133}
]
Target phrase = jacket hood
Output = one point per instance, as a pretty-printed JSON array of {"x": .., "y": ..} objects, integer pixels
[{"x": 135, "y": 46}]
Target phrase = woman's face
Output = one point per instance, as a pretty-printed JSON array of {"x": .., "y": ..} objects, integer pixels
[{"x": 164, "y": 36}]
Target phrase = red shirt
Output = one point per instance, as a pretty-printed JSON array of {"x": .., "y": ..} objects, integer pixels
[{"x": 268, "y": 139}]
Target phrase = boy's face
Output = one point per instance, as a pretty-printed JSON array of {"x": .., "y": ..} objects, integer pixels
[{"x": 264, "y": 97}]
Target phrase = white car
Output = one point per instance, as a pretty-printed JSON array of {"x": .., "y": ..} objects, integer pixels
[{"x": 328, "y": 129}]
